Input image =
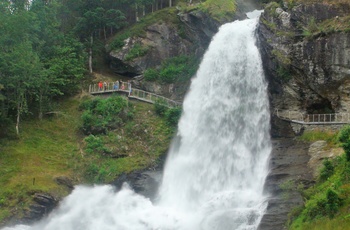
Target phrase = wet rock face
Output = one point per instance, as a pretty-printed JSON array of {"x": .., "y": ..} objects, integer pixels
[
  {"x": 191, "y": 36},
  {"x": 145, "y": 183},
  {"x": 161, "y": 41},
  {"x": 43, "y": 204},
  {"x": 308, "y": 74},
  {"x": 288, "y": 173},
  {"x": 165, "y": 40}
]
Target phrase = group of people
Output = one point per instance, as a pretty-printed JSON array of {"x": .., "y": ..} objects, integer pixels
[{"x": 117, "y": 85}]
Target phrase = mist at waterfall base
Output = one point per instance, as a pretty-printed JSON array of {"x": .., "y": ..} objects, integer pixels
[{"x": 215, "y": 171}]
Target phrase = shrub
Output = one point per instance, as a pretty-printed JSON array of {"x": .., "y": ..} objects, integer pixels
[
  {"x": 172, "y": 70},
  {"x": 344, "y": 134},
  {"x": 104, "y": 114},
  {"x": 136, "y": 51},
  {"x": 151, "y": 75},
  {"x": 160, "y": 107},
  {"x": 327, "y": 170},
  {"x": 173, "y": 115},
  {"x": 333, "y": 203},
  {"x": 344, "y": 137},
  {"x": 94, "y": 144}
]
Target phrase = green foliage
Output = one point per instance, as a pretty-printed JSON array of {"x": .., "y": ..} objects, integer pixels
[
  {"x": 327, "y": 202},
  {"x": 344, "y": 138},
  {"x": 333, "y": 203},
  {"x": 136, "y": 51},
  {"x": 160, "y": 107},
  {"x": 101, "y": 115},
  {"x": 176, "y": 69},
  {"x": 327, "y": 205},
  {"x": 327, "y": 170},
  {"x": 151, "y": 74},
  {"x": 38, "y": 63},
  {"x": 172, "y": 116},
  {"x": 94, "y": 144},
  {"x": 322, "y": 28},
  {"x": 271, "y": 8},
  {"x": 139, "y": 29},
  {"x": 287, "y": 186},
  {"x": 135, "y": 145},
  {"x": 284, "y": 74},
  {"x": 118, "y": 42},
  {"x": 221, "y": 10},
  {"x": 316, "y": 135},
  {"x": 344, "y": 134}
]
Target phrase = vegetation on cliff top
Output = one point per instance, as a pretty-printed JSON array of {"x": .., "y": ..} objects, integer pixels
[{"x": 220, "y": 10}]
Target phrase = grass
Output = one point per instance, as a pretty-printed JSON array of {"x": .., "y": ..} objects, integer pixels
[
  {"x": 45, "y": 150},
  {"x": 139, "y": 143},
  {"x": 316, "y": 135},
  {"x": 220, "y": 10},
  {"x": 54, "y": 147}
]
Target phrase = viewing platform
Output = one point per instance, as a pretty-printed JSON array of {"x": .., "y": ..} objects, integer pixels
[
  {"x": 132, "y": 93},
  {"x": 313, "y": 119}
]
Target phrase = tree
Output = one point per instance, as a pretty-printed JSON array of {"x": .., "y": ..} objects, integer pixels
[{"x": 95, "y": 20}]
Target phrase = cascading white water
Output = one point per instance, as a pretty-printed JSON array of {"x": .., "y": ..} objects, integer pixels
[{"x": 214, "y": 175}]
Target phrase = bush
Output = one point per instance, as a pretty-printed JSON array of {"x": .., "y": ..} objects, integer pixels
[
  {"x": 104, "y": 114},
  {"x": 333, "y": 203},
  {"x": 344, "y": 138},
  {"x": 160, "y": 107},
  {"x": 327, "y": 170},
  {"x": 95, "y": 144},
  {"x": 173, "y": 115},
  {"x": 151, "y": 75},
  {"x": 176, "y": 69},
  {"x": 344, "y": 134},
  {"x": 136, "y": 51}
]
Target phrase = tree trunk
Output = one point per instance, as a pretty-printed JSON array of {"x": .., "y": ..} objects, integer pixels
[
  {"x": 136, "y": 12},
  {"x": 18, "y": 116},
  {"x": 90, "y": 52},
  {"x": 161, "y": 4},
  {"x": 170, "y": 3},
  {"x": 143, "y": 11},
  {"x": 41, "y": 106}
]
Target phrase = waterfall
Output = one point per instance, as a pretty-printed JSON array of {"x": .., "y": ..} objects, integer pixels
[{"x": 215, "y": 171}]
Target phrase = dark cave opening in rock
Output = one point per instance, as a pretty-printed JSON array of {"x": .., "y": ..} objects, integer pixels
[{"x": 321, "y": 107}]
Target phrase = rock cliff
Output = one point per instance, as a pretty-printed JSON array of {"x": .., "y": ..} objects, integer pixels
[
  {"x": 190, "y": 34},
  {"x": 306, "y": 55}
]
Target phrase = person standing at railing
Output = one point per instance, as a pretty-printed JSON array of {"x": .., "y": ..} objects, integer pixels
[
  {"x": 129, "y": 87},
  {"x": 100, "y": 86},
  {"x": 116, "y": 85},
  {"x": 105, "y": 86}
]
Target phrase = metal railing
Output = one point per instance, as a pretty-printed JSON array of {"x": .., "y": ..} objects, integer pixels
[
  {"x": 133, "y": 93},
  {"x": 330, "y": 118},
  {"x": 108, "y": 87}
]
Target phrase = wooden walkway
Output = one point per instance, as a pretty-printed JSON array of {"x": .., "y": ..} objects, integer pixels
[
  {"x": 133, "y": 93},
  {"x": 314, "y": 119}
]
